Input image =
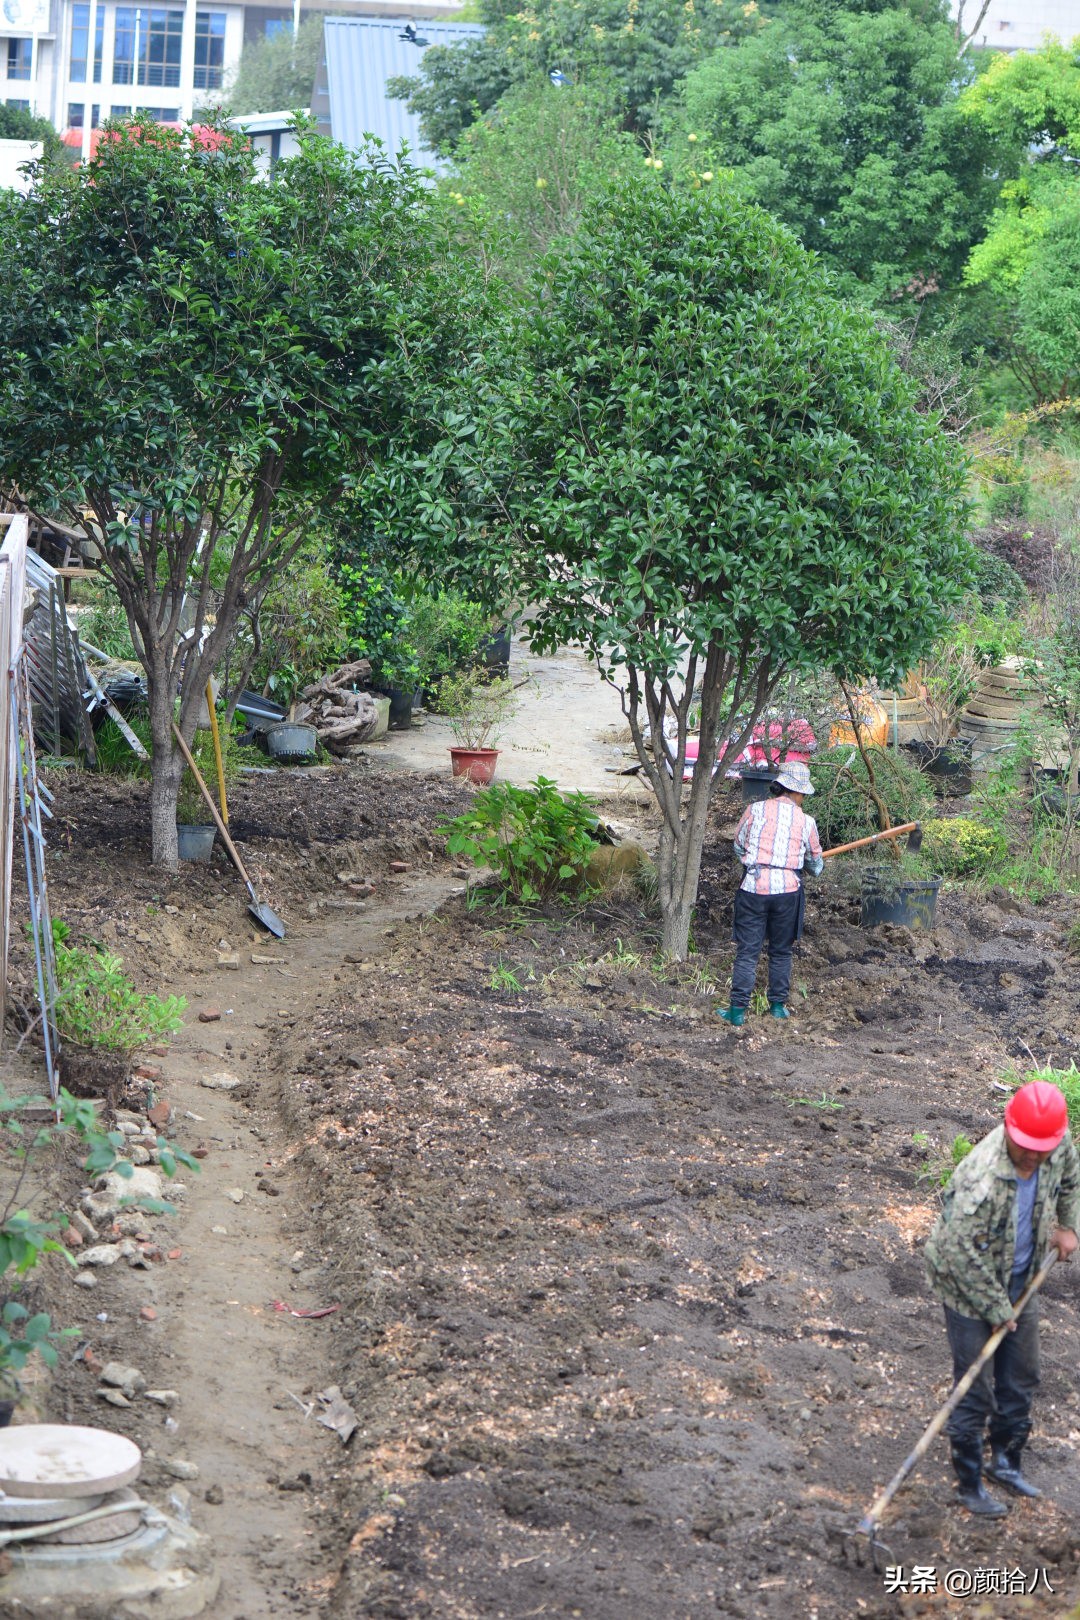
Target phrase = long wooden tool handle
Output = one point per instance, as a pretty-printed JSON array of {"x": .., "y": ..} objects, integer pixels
[
  {"x": 218, "y": 761},
  {"x": 872, "y": 1517},
  {"x": 214, "y": 811},
  {"x": 890, "y": 832}
]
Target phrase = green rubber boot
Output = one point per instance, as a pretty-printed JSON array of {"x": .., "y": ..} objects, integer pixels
[
  {"x": 736, "y": 1016},
  {"x": 778, "y": 1009}
]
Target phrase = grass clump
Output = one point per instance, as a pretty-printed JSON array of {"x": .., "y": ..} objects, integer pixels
[{"x": 98, "y": 1007}]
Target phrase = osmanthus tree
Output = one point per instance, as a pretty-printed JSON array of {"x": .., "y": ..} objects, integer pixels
[
  {"x": 715, "y": 476},
  {"x": 197, "y": 364}
]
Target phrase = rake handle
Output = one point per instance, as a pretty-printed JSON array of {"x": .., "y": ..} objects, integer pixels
[
  {"x": 868, "y": 1524},
  {"x": 890, "y": 832}
]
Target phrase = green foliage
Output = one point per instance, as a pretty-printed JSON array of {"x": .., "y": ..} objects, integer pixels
[
  {"x": 115, "y": 755},
  {"x": 205, "y": 362},
  {"x": 846, "y": 127},
  {"x": 1054, "y": 666},
  {"x": 191, "y": 808},
  {"x": 16, "y": 124},
  {"x": 962, "y": 847},
  {"x": 98, "y": 1006},
  {"x": 1067, "y": 1082},
  {"x": 843, "y": 806},
  {"x": 524, "y": 170},
  {"x": 376, "y": 621},
  {"x": 938, "y": 1169},
  {"x": 536, "y": 839},
  {"x": 824, "y": 1104},
  {"x": 24, "y": 1235},
  {"x": 276, "y": 72},
  {"x": 999, "y": 586},
  {"x": 641, "y": 54},
  {"x": 105, "y": 627},
  {"x": 476, "y": 709},
  {"x": 447, "y": 629},
  {"x": 1072, "y": 939},
  {"x": 301, "y": 627},
  {"x": 503, "y": 977}
]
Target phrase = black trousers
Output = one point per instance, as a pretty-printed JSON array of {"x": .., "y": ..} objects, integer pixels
[
  {"x": 775, "y": 918},
  {"x": 1004, "y": 1389}
]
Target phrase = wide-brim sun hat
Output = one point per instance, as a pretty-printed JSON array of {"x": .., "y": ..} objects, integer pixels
[{"x": 796, "y": 778}]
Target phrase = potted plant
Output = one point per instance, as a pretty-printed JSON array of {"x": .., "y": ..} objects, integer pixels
[
  {"x": 477, "y": 711},
  {"x": 946, "y": 681},
  {"x": 195, "y": 832},
  {"x": 898, "y": 892}
]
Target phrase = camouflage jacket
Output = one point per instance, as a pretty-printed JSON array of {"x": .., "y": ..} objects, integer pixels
[{"x": 969, "y": 1254}]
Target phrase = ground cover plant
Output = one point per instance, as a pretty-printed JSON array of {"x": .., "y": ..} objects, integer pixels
[{"x": 536, "y": 839}]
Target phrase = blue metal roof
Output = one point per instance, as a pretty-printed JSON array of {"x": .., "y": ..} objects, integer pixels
[{"x": 360, "y": 55}]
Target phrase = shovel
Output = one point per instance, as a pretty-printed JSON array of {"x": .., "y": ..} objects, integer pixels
[
  {"x": 912, "y": 828},
  {"x": 870, "y": 1522},
  {"x": 261, "y": 912}
]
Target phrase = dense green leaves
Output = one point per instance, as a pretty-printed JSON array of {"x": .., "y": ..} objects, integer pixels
[{"x": 535, "y": 839}]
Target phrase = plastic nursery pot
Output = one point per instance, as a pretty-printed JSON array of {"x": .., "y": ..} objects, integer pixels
[
  {"x": 6, "y": 1410},
  {"x": 756, "y": 782},
  {"x": 401, "y": 708},
  {"x": 194, "y": 843},
  {"x": 495, "y": 652},
  {"x": 292, "y": 744},
  {"x": 912, "y": 905},
  {"x": 948, "y": 763},
  {"x": 478, "y": 764}
]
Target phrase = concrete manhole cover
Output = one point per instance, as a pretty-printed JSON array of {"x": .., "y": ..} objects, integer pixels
[{"x": 60, "y": 1460}]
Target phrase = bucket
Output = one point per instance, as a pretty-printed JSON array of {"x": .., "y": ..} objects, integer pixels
[
  {"x": 912, "y": 905},
  {"x": 757, "y": 780},
  {"x": 292, "y": 743},
  {"x": 194, "y": 843}
]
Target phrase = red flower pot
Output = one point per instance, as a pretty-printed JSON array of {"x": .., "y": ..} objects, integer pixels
[{"x": 478, "y": 764}]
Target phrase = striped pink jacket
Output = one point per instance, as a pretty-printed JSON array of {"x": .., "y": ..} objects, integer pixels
[{"x": 773, "y": 840}]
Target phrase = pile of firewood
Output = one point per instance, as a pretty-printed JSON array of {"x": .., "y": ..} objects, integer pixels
[{"x": 343, "y": 718}]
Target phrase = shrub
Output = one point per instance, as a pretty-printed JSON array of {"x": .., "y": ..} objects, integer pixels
[
  {"x": 962, "y": 847},
  {"x": 477, "y": 709},
  {"x": 844, "y": 807},
  {"x": 997, "y": 583},
  {"x": 447, "y": 631},
  {"x": 376, "y": 624},
  {"x": 1029, "y": 548},
  {"x": 301, "y": 627},
  {"x": 98, "y": 1006},
  {"x": 535, "y": 839}
]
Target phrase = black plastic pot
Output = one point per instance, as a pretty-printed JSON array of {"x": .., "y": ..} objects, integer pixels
[
  {"x": 495, "y": 652},
  {"x": 757, "y": 781},
  {"x": 948, "y": 763},
  {"x": 401, "y": 707},
  {"x": 7, "y": 1408},
  {"x": 912, "y": 905}
]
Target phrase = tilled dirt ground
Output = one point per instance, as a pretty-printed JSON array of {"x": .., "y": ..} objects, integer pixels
[{"x": 633, "y": 1314}]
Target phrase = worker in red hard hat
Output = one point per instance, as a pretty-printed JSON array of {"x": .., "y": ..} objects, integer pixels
[{"x": 1015, "y": 1195}]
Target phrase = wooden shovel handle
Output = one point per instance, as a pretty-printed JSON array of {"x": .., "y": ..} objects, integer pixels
[
  {"x": 890, "y": 832},
  {"x": 214, "y": 811}
]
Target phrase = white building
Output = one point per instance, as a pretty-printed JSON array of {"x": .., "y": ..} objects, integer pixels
[
  {"x": 165, "y": 60},
  {"x": 1019, "y": 25}
]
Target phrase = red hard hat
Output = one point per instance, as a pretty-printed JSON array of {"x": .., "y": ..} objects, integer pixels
[{"x": 1036, "y": 1116}]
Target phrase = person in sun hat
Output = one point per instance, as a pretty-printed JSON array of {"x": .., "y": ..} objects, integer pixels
[
  {"x": 1015, "y": 1195},
  {"x": 774, "y": 840}
]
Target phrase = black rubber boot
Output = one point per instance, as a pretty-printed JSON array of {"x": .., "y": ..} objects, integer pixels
[
  {"x": 971, "y": 1492},
  {"x": 1004, "y": 1464}
]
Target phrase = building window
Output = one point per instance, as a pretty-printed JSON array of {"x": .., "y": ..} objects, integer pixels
[
  {"x": 276, "y": 25},
  {"x": 147, "y": 49},
  {"x": 76, "y": 114},
  {"x": 20, "y": 106},
  {"x": 80, "y": 35},
  {"x": 160, "y": 115},
  {"x": 95, "y": 116},
  {"x": 19, "y": 59},
  {"x": 209, "y": 49}
]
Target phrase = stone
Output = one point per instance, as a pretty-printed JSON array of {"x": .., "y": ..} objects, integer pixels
[
  {"x": 73, "y": 1237},
  {"x": 210, "y": 1015},
  {"x": 268, "y": 961},
  {"x": 148, "y": 1071},
  {"x": 235, "y": 1195},
  {"x": 162, "y": 1397},
  {"x": 221, "y": 1081},
  {"x": 220, "y": 1231},
  {"x": 120, "y": 1376},
  {"x": 114, "y": 1397},
  {"x": 159, "y": 1115},
  {"x": 140, "y": 1155},
  {"x": 81, "y": 1224},
  {"x": 214, "y": 1495},
  {"x": 172, "y": 911},
  {"x": 399, "y": 866},
  {"x": 85, "y": 1279},
  {"x": 229, "y": 959},
  {"x": 148, "y": 1313},
  {"x": 117, "y": 1190},
  {"x": 178, "y": 1468},
  {"x": 102, "y": 1254}
]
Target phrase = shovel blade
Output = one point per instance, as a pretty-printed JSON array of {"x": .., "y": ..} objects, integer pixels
[{"x": 269, "y": 918}]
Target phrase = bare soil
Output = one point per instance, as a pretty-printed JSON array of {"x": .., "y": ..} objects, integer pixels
[{"x": 632, "y": 1311}]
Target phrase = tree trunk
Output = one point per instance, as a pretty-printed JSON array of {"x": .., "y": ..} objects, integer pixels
[{"x": 165, "y": 771}]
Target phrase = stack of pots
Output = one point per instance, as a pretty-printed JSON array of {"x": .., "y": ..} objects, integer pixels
[
  {"x": 995, "y": 711},
  {"x": 907, "y": 717}
]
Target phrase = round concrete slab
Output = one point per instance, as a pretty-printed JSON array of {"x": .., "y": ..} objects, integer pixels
[
  {"x": 124, "y": 1522},
  {"x": 40, "y": 1509},
  {"x": 63, "y": 1460}
]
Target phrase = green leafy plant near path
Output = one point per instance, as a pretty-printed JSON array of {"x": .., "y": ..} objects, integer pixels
[
  {"x": 97, "y": 1004},
  {"x": 535, "y": 839}
]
